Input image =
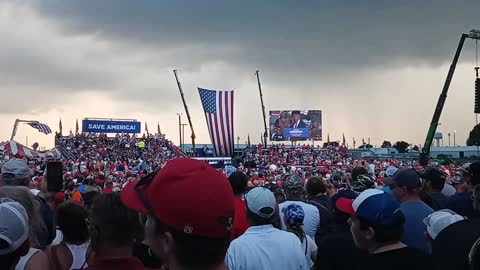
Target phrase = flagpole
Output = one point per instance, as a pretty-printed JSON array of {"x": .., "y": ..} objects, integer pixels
[
  {"x": 15, "y": 126},
  {"x": 14, "y": 131}
]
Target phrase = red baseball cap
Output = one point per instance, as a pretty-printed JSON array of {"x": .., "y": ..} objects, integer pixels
[
  {"x": 188, "y": 195},
  {"x": 59, "y": 197}
]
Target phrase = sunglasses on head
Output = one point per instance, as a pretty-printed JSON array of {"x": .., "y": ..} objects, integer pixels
[{"x": 145, "y": 181}]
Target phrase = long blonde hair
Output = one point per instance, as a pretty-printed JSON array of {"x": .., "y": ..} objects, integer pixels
[{"x": 38, "y": 233}]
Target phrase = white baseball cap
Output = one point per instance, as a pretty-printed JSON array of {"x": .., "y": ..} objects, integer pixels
[
  {"x": 439, "y": 220},
  {"x": 390, "y": 171},
  {"x": 13, "y": 225},
  {"x": 261, "y": 202}
]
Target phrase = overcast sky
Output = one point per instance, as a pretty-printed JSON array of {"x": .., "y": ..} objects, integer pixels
[{"x": 375, "y": 68}]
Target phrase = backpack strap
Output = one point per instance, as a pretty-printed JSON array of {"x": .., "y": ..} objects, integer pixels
[{"x": 319, "y": 205}]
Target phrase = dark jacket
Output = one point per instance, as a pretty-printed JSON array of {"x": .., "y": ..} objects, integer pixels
[
  {"x": 326, "y": 225},
  {"x": 337, "y": 251}
]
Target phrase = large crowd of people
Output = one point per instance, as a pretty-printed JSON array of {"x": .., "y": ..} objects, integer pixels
[{"x": 139, "y": 203}]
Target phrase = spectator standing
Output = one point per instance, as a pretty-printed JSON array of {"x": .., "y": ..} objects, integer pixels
[
  {"x": 238, "y": 181},
  {"x": 14, "y": 242},
  {"x": 17, "y": 173},
  {"x": 294, "y": 192},
  {"x": 185, "y": 234},
  {"x": 377, "y": 227},
  {"x": 462, "y": 202},
  {"x": 35, "y": 257},
  {"x": 294, "y": 215},
  {"x": 451, "y": 247},
  {"x": 262, "y": 246},
  {"x": 405, "y": 186},
  {"x": 112, "y": 228},
  {"x": 337, "y": 250},
  {"x": 437, "y": 221},
  {"x": 71, "y": 253},
  {"x": 316, "y": 193},
  {"x": 434, "y": 183}
]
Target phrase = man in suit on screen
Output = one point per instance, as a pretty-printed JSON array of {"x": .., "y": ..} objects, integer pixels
[{"x": 297, "y": 120}]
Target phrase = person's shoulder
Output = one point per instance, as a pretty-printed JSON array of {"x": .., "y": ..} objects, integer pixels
[
  {"x": 286, "y": 237},
  {"x": 284, "y": 204},
  {"x": 416, "y": 257},
  {"x": 309, "y": 207},
  {"x": 39, "y": 260},
  {"x": 415, "y": 206}
]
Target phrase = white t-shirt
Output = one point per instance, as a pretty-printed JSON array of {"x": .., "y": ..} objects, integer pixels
[
  {"x": 264, "y": 247},
  {"x": 448, "y": 190},
  {"x": 308, "y": 248},
  {"x": 371, "y": 168}
]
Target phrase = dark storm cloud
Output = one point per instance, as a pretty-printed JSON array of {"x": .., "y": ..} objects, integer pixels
[
  {"x": 282, "y": 35},
  {"x": 127, "y": 49}
]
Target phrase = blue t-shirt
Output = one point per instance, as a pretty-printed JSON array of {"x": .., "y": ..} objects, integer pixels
[
  {"x": 81, "y": 188},
  {"x": 414, "y": 228}
]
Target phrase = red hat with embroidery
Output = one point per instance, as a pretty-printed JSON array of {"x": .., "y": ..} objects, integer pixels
[{"x": 188, "y": 195}]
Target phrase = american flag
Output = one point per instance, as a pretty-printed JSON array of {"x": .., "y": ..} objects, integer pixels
[
  {"x": 41, "y": 127},
  {"x": 218, "y": 108}
]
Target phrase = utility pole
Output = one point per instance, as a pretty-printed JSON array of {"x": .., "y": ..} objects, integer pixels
[
  {"x": 454, "y": 141},
  {"x": 183, "y": 137},
  {"x": 238, "y": 143},
  {"x": 180, "y": 129}
]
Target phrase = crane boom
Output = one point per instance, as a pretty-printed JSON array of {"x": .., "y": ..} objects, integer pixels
[
  {"x": 186, "y": 109},
  {"x": 265, "y": 134},
  {"x": 425, "y": 155}
]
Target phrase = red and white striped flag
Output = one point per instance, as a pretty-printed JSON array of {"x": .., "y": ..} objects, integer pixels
[{"x": 218, "y": 108}]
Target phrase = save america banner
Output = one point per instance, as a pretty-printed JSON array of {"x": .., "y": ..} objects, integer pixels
[{"x": 105, "y": 126}]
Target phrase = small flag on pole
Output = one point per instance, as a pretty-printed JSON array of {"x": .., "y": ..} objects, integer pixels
[
  {"x": 158, "y": 129},
  {"x": 40, "y": 127},
  {"x": 146, "y": 128},
  {"x": 60, "y": 126},
  {"x": 218, "y": 108},
  {"x": 77, "y": 129},
  {"x": 248, "y": 139},
  {"x": 328, "y": 137},
  {"x": 344, "y": 141}
]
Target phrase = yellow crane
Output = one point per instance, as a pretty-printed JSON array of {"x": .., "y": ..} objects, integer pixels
[{"x": 186, "y": 110}]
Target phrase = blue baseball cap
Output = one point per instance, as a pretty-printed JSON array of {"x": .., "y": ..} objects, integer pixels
[
  {"x": 229, "y": 169},
  {"x": 373, "y": 205},
  {"x": 408, "y": 178}
]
